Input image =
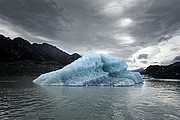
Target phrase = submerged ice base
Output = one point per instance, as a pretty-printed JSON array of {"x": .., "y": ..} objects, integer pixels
[{"x": 92, "y": 69}]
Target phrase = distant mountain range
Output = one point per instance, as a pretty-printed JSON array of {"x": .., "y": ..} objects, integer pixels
[
  {"x": 19, "y": 49},
  {"x": 137, "y": 70},
  {"x": 165, "y": 72}
]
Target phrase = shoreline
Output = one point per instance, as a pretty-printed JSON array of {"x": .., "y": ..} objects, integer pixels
[{"x": 28, "y": 68}]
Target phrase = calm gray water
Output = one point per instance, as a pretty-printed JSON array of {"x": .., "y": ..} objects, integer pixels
[{"x": 20, "y": 99}]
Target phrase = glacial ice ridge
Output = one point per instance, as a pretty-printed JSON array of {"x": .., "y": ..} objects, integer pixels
[{"x": 92, "y": 69}]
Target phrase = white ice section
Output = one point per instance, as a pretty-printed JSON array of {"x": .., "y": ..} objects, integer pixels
[{"x": 92, "y": 69}]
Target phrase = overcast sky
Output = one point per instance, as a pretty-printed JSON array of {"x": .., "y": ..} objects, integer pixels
[{"x": 143, "y": 32}]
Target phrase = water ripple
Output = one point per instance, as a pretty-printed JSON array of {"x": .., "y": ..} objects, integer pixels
[{"x": 149, "y": 101}]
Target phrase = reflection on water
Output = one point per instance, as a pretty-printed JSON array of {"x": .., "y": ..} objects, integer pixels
[{"x": 153, "y": 100}]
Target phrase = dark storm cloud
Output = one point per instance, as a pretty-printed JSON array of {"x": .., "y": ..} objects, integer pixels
[
  {"x": 144, "y": 62},
  {"x": 143, "y": 56},
  {"x": 177, "y": 58},
  {"x": 40, "y": 17},
  {"x": 118, "y": 27}
]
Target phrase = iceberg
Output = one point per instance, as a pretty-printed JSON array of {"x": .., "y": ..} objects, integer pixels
[{"x": 91, "y": 70}]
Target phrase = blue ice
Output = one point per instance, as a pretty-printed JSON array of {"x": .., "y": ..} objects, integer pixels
[{"x": 92, "y": 69}]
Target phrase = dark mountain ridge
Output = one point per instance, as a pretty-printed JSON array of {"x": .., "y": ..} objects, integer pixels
[
  {"x": 19, "y": 49},
  {"x": 18, "y": 57},
  {"x": 171, "y": 71}
]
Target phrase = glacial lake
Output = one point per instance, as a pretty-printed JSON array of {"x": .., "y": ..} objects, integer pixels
[{"x": 20, "y": 99}]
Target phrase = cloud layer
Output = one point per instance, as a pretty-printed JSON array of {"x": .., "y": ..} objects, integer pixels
[{"x": 143, "y": 32}]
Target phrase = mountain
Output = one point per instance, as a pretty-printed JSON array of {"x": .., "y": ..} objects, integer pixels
[
  {"x": 18, "y": 57},
  {"x": 137, "y": 70},
  {"x": 19, "y": 49},
  {"x": 165, "y": 72}
]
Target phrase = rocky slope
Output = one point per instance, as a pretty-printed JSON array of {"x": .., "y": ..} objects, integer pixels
[
  {"x": 20, "y": 57},
  {"x": 19, "y": 49},
  {"x": 165, "y": 72}
]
